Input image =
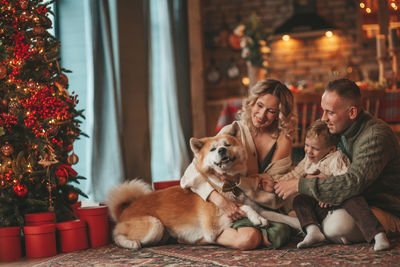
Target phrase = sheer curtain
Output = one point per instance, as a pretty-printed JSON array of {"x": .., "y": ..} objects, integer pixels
[
  {"x": 88, "y": 32},
  {"x": 169, "y": 156}
]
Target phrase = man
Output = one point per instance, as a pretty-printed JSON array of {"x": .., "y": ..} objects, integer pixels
[{"x": 373, "y": 149}]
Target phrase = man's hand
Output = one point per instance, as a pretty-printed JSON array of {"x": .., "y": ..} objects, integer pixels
[
  {"x": 228, "y": 207},
  {"x": 285, "y": 189}
]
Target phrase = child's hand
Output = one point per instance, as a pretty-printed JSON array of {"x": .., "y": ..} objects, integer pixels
[{"x": 324, "y": 205}]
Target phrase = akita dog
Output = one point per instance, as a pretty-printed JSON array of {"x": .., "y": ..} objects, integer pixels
[{"x": 146, "y": 217}]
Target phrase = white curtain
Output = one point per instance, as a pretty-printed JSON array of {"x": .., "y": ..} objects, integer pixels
[
  {"x": 169, "y": 156},
  {"x": 89, "y": 48}
]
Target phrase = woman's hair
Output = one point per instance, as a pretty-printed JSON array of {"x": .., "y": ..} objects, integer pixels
[
  {"x": 287, "y": 121},
  {"x": 319, "y": 129}
]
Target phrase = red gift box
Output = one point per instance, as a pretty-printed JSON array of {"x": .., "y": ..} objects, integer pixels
[
  {"x": 40, "y": 240},
  {"x": 97, "y": 221},
  {"x": 39, "y": 218},
  {"x": 10, "y": 243},
  {"x": 111, "y": 223},
  {"x": 72, "y": 235},
  {"x": 165, "y": 184}
]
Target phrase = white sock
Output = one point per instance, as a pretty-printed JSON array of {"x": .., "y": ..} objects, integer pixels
[
  {"x": 381, "y": 242},
  {"x": 314, "y": 236}
]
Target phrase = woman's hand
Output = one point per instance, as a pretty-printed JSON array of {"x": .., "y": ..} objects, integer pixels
[
  {"x": 266, "y": 184},
  {"x": 285, "y": 189},
  {"x": 228, "y": 207}
]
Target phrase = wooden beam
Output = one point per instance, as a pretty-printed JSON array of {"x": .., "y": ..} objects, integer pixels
[
  {"x": 383, "y": 17},
  {"x": 196, "y": 69}
]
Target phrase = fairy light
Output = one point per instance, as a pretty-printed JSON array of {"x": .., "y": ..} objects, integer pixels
[
  {"x": 329, "y": 34},
  {"x": 362, "y": 5},
  {"x": 245, "y": 81},
  {"x": 368, "y": 10},
  {"x": 286, "y": 37}
]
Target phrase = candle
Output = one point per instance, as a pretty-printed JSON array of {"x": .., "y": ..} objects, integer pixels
[
  {"x": 394, "y": 41},
  {"x": 380, "y": 46}
]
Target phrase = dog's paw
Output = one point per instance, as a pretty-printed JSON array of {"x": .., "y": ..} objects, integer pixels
[
  {"x": 122, "y": 241},
  {"x": 259, "y": 221},
  {"x": 264, "y": 222}
]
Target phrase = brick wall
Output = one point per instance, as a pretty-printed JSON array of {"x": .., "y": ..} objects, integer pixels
[{"x": 310, "y": 59}]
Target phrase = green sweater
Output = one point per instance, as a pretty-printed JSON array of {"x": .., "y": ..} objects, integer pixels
[{"x": 374, "y": 171}]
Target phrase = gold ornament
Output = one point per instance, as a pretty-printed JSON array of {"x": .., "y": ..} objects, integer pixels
[
  {"x": 14, "y": 107},
  {"x": 23, "y": 4},
  {"x": 72, "y": 159},
  {"x": 63, "y": 80},
  {"x": 38, "y": 30},
  {"x": 3, "y": 71},
  {"x": 7, "y": 149}
]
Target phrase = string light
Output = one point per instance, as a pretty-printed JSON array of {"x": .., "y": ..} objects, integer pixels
[
  {"x": 286, "y": 37},
  {"x": 245, "y": 81},
  {"x": 368, "y": 10},
  {"x": 362, "y": 5}
]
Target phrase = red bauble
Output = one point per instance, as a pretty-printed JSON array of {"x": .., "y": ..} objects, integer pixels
[
  {"x": 72, "y": 197},
  {"x": 69, "y": 148},
  {"x": 20, "y": 190},
  {"x": 62, "y": 180}
]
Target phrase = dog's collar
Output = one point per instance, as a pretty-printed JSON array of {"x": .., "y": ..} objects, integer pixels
[{"x": 229, "y": 186}]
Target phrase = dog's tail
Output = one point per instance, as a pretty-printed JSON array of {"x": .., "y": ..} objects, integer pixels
[{"x": 122, "y": 195}]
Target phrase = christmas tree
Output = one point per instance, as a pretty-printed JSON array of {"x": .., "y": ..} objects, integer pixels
[{"x": 38, "y": 119}]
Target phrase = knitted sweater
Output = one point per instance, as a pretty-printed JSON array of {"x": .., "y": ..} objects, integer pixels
[
  {"x": 374, "y": 172},
  {"x": 334, "y": 163}
]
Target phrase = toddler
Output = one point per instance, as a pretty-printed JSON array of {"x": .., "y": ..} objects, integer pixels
[{"x": 322, "y": 160}]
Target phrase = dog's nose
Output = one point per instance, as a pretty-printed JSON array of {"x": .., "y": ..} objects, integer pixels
[{"x": 222, "y": 150}]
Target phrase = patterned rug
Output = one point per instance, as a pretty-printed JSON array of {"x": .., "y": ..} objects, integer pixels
[{"x": 187, "y": 255}]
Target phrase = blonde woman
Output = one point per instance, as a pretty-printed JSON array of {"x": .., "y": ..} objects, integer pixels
[{"x": 266, "y": 124}]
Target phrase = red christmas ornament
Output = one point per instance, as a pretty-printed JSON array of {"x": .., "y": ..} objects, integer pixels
[
  {"x": 3, "y": 71},
  {"x": 72, "y": 197},
  {"x": 69, "y": 148},
  {"x": 20, "y": 190},
  {"x": 62, "y": 180},
  {"x": 7, "y": 149}
]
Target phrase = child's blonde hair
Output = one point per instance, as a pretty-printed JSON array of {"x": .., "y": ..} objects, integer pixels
[{"x": 319, "y": 129}]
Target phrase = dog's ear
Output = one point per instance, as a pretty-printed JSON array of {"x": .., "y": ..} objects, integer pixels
[
  {"x": 234, "y": 130},
  {"x": 196, "y": 144}
]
